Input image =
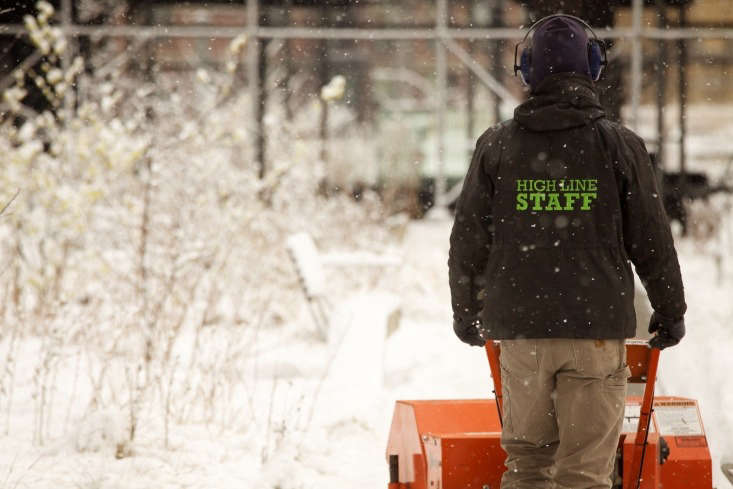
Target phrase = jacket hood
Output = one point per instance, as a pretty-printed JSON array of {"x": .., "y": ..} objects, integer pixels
[{"x": 561, "y": 101}]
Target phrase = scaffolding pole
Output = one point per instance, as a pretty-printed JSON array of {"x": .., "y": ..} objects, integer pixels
[
  {"x": 481, "y": 73},
  {"x": 470, "y": 83},
  {"x": 341, "y": 33},
  {"x": 67, "y": 20},
  {"x": 661, "y": 86},
  {"x": 253, "y": 80},
  {"x": 682, "y": 80},
  {"x": 497, "y": 20},
  {"x": 441, "y": 82},
  {"x": 636, "y": 61}
]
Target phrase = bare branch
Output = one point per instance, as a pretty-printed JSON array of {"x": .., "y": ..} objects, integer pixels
[{"x": 2, "y": 211}]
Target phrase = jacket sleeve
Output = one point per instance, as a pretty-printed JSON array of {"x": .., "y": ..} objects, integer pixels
[
  {"x": 471, "y": 237},
  {"x": 647, "y": 236}
]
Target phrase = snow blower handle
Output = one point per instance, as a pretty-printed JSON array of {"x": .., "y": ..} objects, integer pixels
[
  {"x": 645, "y": 417},
  {"x": 492, "y": 352}
]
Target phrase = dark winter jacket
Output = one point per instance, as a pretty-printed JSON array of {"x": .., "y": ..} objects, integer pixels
[{"x": 556, "y": 206}]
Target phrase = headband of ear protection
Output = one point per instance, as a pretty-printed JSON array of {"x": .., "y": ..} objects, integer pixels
[{"x": 597, "y": 59}]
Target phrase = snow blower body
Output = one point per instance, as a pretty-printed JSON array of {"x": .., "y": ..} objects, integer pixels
[{"x": 455, "y": 444}]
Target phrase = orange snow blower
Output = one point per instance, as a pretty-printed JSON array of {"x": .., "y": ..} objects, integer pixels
[{"x": 455, "y": 444}]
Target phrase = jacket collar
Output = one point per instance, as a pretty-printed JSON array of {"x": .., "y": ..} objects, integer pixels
[{"x": 561, "y": 101}]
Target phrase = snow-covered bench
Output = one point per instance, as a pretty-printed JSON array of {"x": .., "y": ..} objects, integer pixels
[
  {"x": 355, "y": 329},
  {"x": 310, "y": 267}
]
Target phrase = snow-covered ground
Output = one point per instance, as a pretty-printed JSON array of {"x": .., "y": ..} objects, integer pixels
[
  {"x": 154, "y": 331},
  {"x": 324, "y": 408}
]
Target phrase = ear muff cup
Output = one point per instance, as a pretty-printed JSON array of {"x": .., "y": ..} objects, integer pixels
[
  {"x": 595, "y": 59},
  {"x": 596, "y": 51},
  {"x": 525, "y": 65}
]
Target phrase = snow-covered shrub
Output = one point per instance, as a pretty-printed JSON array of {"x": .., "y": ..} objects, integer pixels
[
  {"x": 143, "y": 237},
  {"x": 102, "y": 432}
]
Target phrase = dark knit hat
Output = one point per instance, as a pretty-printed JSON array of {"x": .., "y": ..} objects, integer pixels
[{"x": 560, "y": 45}]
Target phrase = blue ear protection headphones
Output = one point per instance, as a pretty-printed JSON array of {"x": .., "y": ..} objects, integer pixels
[{"x": 597, "y": 59}]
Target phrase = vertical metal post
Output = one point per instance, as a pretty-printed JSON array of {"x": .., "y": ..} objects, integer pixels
[
  {"x": 288, "y": 64},
  {"x": 661, "y": 82},
  {"x": 636, "y": 62},
  {"x": 253, "y": 77},
  {"x": 441, "y": 68},
  {"x": 470, "y": 101},
  {"x": 497, "y": 20},
  {"x": 682, "y": 78},
  {"x": 470, "y": 83},
  {"x": 262, "y": 102},
  {"x": 67, "y": 21},
  {"x": 323, "y": 72}
]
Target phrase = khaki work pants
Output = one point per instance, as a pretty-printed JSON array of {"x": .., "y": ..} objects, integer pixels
[{"x": 563, "y": 410}]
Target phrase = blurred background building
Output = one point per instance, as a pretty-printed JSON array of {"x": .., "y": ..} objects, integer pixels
[{"x": 423, "y": 78}]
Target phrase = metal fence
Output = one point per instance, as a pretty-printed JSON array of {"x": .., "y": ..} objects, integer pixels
[{"x": 441, "y": 33}]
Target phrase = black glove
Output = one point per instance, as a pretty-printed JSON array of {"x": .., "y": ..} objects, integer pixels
[
  {"x": 669, "y": 331},
  {"x": 469, "y": 331}
]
